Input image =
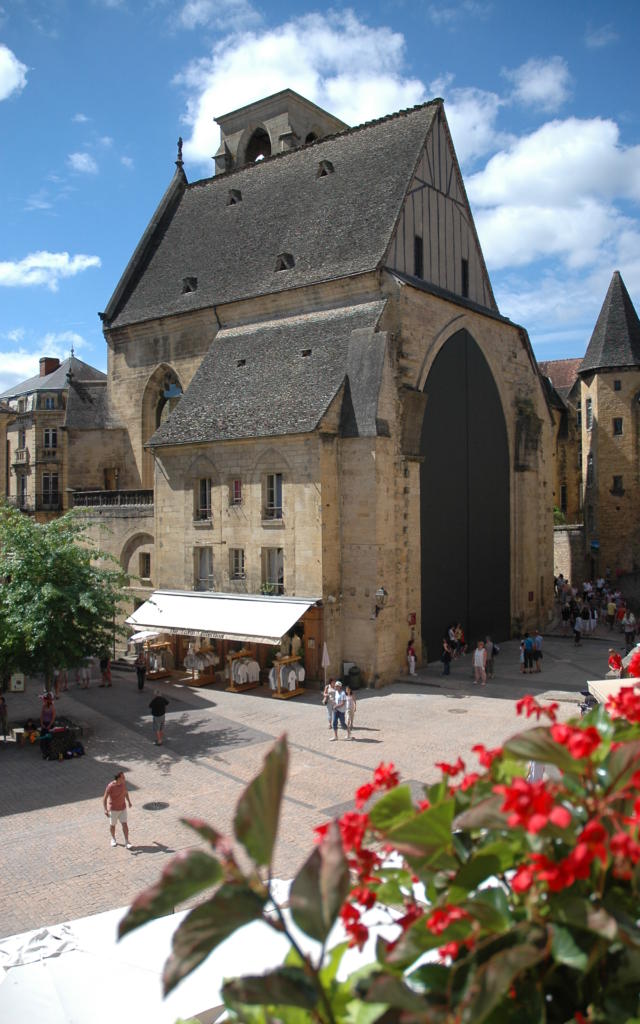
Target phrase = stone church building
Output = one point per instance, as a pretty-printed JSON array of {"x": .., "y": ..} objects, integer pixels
[{"x": 321, "y": 396}]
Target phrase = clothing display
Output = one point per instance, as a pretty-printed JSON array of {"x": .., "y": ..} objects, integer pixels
[{"x": 286, "y": 677}]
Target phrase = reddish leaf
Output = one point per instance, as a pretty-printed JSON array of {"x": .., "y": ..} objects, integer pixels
[
  {"x": 320, "y": 887},
  {"x": 184, "y": 876},
  {"x": 258, "y": 811}
]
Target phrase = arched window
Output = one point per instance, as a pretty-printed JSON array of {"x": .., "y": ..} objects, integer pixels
[
  {"x": 170, "y": 395},
  {"x": 258, "y": 147}
]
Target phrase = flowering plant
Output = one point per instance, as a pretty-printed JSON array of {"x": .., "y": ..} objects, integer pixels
[{"x": 505, "y": 900}]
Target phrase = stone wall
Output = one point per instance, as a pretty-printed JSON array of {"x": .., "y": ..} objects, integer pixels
[{"x": 568, "y": 552}]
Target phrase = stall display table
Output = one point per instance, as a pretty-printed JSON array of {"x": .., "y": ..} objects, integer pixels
[{"x": 282, "y": 667}]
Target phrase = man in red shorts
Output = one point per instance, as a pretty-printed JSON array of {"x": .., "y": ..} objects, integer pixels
[{"x": 115, "y": 802}]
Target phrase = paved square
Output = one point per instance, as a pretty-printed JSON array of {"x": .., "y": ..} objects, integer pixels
[{"x": 57, "y": 863}]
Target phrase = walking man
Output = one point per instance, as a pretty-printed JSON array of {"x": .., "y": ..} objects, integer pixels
[
  {"x": 339, "y": 708},
  {"x": 141, "y": 669},
  {"x": 158, "y": 707},
  {"x": 115, "y": 802},
  {"x": 480, "y": 664}
]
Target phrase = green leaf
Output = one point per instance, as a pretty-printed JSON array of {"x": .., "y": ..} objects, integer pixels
[
  {"x": 286, "y": 986},
  {"x": 431, "y": 977},
  {"x": 482, "y": 866},
  {"x": 205, "y": 831},
  {"x": 333, "y": 961},
  {"x": 490, "y": 982},
  {"x": 320, "y": 887},
  {"x": 578, "y": 913},
  {"x": 258, "y": 810},
  {"x": 491, "y": 908},
  {"x": 389, "y": 989},
  {"x": 566, "y": 950},
  {"x": 394, "y": 808},
  {"x": 427, "y": 834},
  {"x": 622, "y": 764},
  {"x": 207, "y": 926},
  {"x": 486, "y": 814},
  {"x": 186, "y": 875},
  {"x": 538, "y": 745}
]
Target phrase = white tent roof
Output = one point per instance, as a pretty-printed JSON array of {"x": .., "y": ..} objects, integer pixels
[
  {"x": 250, "y": 617},
  {"x": 602, "y": 689}
]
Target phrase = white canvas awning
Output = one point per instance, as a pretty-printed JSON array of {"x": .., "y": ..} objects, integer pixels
[
  {"x": 603, "y": 689},
  {"x": 250, "y": 617},
  {"x": 144, "y": 634}
]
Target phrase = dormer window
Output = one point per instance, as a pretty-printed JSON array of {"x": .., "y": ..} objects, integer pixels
[
  {"x": 284, "y": 261},
  {"x": 311, "y": 137},
  {"x": 306, "y": 352},
  {"x": 241, "y": 362},
  {"x": 234, "y": 197},
  {"x": 325, "y": 167},
  {"x": 189, "y": 284}
]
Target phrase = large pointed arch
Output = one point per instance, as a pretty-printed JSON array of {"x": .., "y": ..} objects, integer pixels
[
  {"x": 464, "y": 498},
  {"x": 162, "y": 391}
]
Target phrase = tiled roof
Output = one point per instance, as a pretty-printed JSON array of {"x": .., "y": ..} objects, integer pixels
[
  {"x": 616, "y": 337},
  {"x": 87, "y": 406},
  {"x": 334, "y": 226},
  {"x": 280, "y": 376},
  {"x": 56, "y": 381},
  {"x": 563, "y": 373}
]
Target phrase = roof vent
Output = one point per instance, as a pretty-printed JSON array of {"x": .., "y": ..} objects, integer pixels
[
  {"x": 234, "y": 197},
  {"x": 241, "y": 362},
  {"x": 306, "y": 352},
  {"x": 189, "y": 284},
  {"x": 285, "y": 261},
  {"x": 324, "y": 167}
]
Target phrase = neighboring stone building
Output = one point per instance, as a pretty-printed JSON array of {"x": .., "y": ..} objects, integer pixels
[
  {"x": 313, "y": 378},
  {"x": 564, "y": 397},
  {"x": 37, "y": 414},
  {"x": 600, "y": 455}
]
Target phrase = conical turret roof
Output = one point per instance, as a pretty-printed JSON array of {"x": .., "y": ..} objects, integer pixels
[{"x": 616, "y": 337}]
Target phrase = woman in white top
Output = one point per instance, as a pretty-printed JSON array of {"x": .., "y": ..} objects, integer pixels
[
  {"x": 328, "y": 698},
  {"x": 350, "y": 711}
]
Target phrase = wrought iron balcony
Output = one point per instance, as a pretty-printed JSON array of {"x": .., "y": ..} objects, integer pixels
[
  {"x": 21, "y": 457},
  {"x": 111, "y": 499}
]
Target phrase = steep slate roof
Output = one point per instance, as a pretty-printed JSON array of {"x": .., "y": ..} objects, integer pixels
[
  {"x": 616, "y": 337},
  {"x": 278, "y": 390},
  {"x": 563, "y": 373},
  {"x": 334, "y": 226},
  {"x": 56, "y": 381},
  {"x": 87, "y": 406}
]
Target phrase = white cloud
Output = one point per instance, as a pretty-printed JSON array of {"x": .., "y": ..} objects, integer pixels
[
  {"x": 39, "y": 201},
  {"x": 472, "y": 115},
  {"x": 540, "y": 83},
  {"x": 214, "y": 14},
  {"x": 44, "y": 268},
  {"x": 80, "y": 118},
  {"x": 17, "y": 334},
  {"x": 596, "y": 38},
  {"x": 58, "y": 343},
  {"x": 353, "y": 70},
  {"x": 82, "y": 163},
  {"x": 106, "y": 141},
  {"x": 127, "y": 162},
  {"x": 13, "y": 73},
  {"x": 450, "y": 17}
]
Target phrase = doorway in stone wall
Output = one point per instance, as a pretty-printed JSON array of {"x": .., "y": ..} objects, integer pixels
[{"x": 464, "y": 499}]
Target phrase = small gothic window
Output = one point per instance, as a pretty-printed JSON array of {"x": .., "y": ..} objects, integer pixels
[
  {"x": 234, "y": 197},
  {"x": 589, "y": 469},
  {"x": 617, "y": 487},
  {"x": 464, "y": 271},
  {"x": 563, "y": 498},
  {"x": 306, "y": 352},
  {"x": 189, "y": 284},
  {"x": 617, "y": 385},
  {"x": 617, "y": 426},
  {"x": 241, "y": 362},
  {"x": 589, "y": 413},
  {"x": 418, "y": 265},
  {"x": 284, "y": 261},
  {"x": 325, "y": 167},
  {"x": 170, "y": 395},
  {"x": 259, "y": 146}
]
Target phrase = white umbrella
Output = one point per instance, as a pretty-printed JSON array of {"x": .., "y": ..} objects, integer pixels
[{"x": 325, "y": 660}]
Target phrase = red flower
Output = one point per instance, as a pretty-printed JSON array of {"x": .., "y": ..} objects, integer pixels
[
  {"x": 423, "y": 805},
  {"x": 363, "y": 794},
  {"x": 321, "y": 831},
  {"x": 358, "y": 933},
  {"x": 450, "y": 949},
  {"x": 486, "y": 757},
  {"x": 579, "y": 742},
  {"x": 451, "y": 769},
  {"x": 443, "y": 917},
  {"x": 365, "y": 897},
  {"x": 623, "y": 846},
  {"x": 468, "y": 781},
  {"x": 625, "y": 704},
  {"x": 634, "y": 664},
  {"x": 385, "y": 776},
  {"x": 412, "y": 913},
  {"x": 531, "y": 707},
  {"x": 531, "y": 805},
  {"x": 523, "y": 878},
  {"x": 353, "y": 828}
]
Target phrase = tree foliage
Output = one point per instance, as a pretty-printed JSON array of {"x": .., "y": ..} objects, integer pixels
[
  {"x": 59, "y": 594},
  {"x": 505, "y": 900}
]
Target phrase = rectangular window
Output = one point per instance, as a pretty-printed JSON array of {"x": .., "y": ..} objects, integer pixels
[
  {"x": 418, "y": 264},
  {"x": 464, "y": 275},
  {"x": 145, "y": 565},
  {"x": 617, "y": 385},
  {"x": 235, "y": 492},
  {"x": 589, "y": 413},
  {"x": 617, "y": 487},
  {"x": 579, "y": 416},
  {"x": 22, "y": 438},
  {"x": 22, "y": 491},
  {"x": 51, "y": 437},
  {"x": 236, "y": 563},
  {"x": 203, "y": 562},
  {"x": 203, "y": 499},
  {"x": 563, "y": 499},
  {"x": 50, "y": 495},
  {"x": 273, "y": 571},
  {"x": 49, "y": 402},
  {"x": 273, "y": 496},
  {"x": 617, "y": 426}
]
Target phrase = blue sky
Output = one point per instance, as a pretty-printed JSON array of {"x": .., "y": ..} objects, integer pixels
[{"x": 542, "y": 100}]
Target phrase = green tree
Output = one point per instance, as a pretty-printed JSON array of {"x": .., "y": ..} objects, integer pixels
[{"x": 59, "y": 594}]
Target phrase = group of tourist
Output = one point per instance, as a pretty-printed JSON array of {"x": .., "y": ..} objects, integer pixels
[
  {"x": 454, "y": 646},
  {"x": 340, "y": 703},
  {"x": 581, "y": 608}
]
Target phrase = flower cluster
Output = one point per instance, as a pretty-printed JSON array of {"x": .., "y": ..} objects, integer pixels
[
  {"x": 531, "y": 805},
  {"x": 384, "y": 777},
  {"x": 579, "y": 742},
  {"x": 529, "y": 706},
  {"x": 625, "y": 704}
]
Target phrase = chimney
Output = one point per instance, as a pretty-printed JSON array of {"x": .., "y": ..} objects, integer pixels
[{"x": 48, "y": 364}]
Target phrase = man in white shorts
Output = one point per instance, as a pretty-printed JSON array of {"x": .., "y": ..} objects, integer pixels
[{"x": 115, "y": 802}]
